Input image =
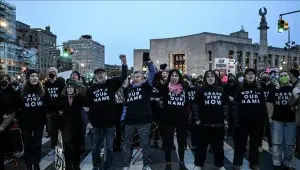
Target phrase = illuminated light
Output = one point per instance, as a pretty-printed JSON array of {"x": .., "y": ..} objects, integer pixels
[
  {"x": 280, "y": 68},
  {"x": 3, "y": 24}
]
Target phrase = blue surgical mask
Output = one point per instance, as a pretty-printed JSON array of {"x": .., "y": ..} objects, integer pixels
[{"x": 241, "y": 79}]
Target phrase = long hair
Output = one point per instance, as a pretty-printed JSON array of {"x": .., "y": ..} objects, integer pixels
[
  {"x": 180, "y": 81},
  {"x": 28, "y": 88}
]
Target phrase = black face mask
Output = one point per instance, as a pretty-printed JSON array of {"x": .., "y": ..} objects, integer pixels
[
  {"x": 51, "y": 75},
  {"x": 4, "y": 83},
  {"x": 231, "y": 81}
]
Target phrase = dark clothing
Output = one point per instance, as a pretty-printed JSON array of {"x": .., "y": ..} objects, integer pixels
[
  {"x": 191, "y": 98},
  {"x": 32, "y": 139},
  {"x": 72, "y": 154},
  {"x": 1, "y": 152},
  {"x": 250, "y": 105},
  {"x": 33, "y": 110},
  {"x": 168, "y": 138},
  {"x": 137, "y": 100},
  {"x": 54, "y": 90},
  {"x": 101, "y": 100},
  {"x": 241, "y": 139},
  {"x": 249, "y": 118},
  {"x": 216, "y": 141},
  {"x": 282, "y": 110},
  {"x": 210, "y": 101},
  {"x": 174, "y": 106},
  {"x": 71, "y": 120},
  {"x": 8, "y": 99}
]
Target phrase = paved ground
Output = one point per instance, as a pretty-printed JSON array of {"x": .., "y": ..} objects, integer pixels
[{"x": 158, "y": 161}]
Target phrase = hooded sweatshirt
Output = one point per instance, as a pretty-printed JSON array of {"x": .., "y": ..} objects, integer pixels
[
  {"x": 137, "y": 100},
  {"x": 101, "y": 100},
  {"x": 210, "y": 101}
]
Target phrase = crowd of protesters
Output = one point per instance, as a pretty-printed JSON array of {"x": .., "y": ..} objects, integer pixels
[{"x": 115, "y": 109}]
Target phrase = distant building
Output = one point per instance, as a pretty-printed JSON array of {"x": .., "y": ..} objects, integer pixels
[
  {"x": 194, "y": 54},
  {"x": 64, "y": 64},
  {"x": 87, "y": 54},
  {"x": 41, "y": 39},
  {"x": 14, "y": 57},
  {"x": 7, "y": 22}
]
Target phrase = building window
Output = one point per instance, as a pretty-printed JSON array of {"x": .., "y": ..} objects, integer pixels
[
  {"x": 35, "y": 40},
  {"x": 255, "y": 58},
  {"x": 230, "y": 54},
  {"x": 30, "y": 38},
  {"x": 179, "y": 62},
  {"x": 239, "y": 60},
  {"x": 247, "y": 61}
]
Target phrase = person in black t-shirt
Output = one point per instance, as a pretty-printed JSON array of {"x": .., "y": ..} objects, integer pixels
[
  {"x": 174, "y": 95},
  {"x": 137, "y": 114},
  {"x": 249, "y": 117},
  {"x": 209, "y": 116},
  {"x": 282, "y": 116}
]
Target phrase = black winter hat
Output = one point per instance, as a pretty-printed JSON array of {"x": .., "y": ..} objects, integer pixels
[
  {"x": 75, "y": 72},
  {"x": 29, "y": 72},
  {"x": 295, "y": 72},
  {"x": 250, "y": 69},
  {"x": 163, "y": 66}
]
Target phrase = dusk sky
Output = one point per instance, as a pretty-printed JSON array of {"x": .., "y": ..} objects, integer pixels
[{"x": 126, "y": 25}]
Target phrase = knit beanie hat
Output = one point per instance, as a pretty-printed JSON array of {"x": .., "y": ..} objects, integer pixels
[
  {"x": 73, "y": 83},
  {"x": 53, "y": 69},
  {"x": 29, "y": 72}
]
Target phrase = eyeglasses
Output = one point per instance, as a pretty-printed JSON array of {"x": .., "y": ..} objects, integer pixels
[{"x": 284, "y": 75}]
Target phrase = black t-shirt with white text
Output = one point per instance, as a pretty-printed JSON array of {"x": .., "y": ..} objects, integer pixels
[
  {"x": 54, "y": 90},
  {"x": 191, "y": 91},
  {"x": 174, "y": 106},
  {"x": 250, "y": 105},
  {"x": 101, "y": 100},
  {"x": 33, "y": 110},
  {"x": 282, "y": 110},
  {"x": 137, "y": 101},
  {"x": 211, "y": 101}
]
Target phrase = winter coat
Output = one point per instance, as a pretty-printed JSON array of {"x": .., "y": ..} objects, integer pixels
[{"x": 71, "y": 123}]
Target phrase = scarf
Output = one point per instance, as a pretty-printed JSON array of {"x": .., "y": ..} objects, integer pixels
[{"x": 175, "y": 88}]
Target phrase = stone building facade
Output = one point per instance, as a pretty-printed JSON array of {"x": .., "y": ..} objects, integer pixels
[{"x": 194, "y": 54}]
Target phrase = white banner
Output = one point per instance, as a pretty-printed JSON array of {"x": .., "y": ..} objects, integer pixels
[
  {"x": 221, "y": 64},
  {"x": 225, "y": 65}
]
